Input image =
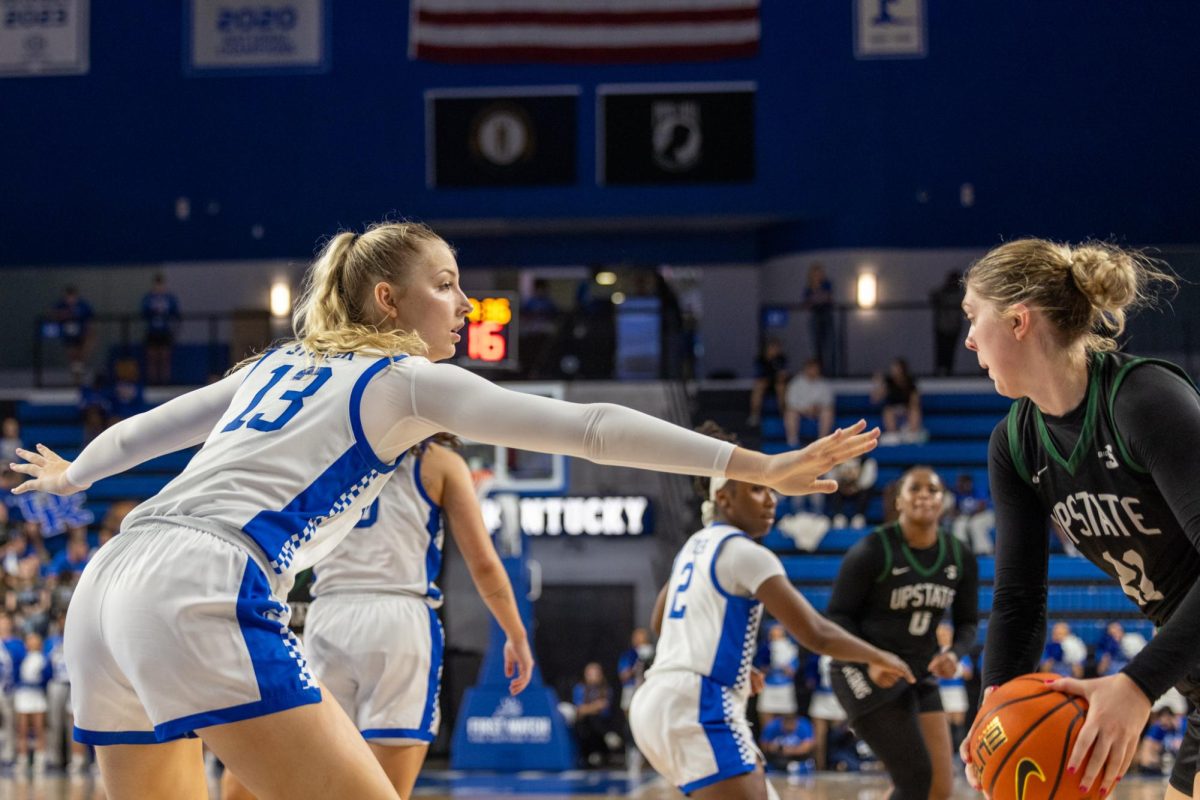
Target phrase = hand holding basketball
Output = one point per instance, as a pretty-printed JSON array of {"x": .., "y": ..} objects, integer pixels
[
  {"x": 1117, "y": 712},
  {"x": 964, "y": 747},
  {"x": 49, "y": 472},
  {"x": 799, "y": 472}
]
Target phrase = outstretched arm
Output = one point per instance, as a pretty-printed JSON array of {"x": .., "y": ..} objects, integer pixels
[
  {"x": 183, "y": 422},
  {"x": 465, "y": 521}
]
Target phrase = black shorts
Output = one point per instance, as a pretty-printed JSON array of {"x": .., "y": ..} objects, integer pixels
[
  {"x": 859, "y": 695},
  {"x": 1184, "y": 773},
  {"x": 159, "y": 338}
]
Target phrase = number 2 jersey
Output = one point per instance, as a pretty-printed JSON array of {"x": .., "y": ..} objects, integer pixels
[{"x": 710, "y": 621}]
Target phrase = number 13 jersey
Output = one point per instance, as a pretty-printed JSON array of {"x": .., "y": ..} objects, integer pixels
[
  {"x": 710, "y": 622},
  {"x": 288, "y": 465}
]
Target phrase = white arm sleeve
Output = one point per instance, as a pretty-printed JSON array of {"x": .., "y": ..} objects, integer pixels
[
  {"x": 443, "y": 397},
  {"x": 743, "y": 565},
  {"x": 185, "y": 421}
]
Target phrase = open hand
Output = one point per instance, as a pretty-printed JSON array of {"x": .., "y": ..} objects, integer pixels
[
  {"x": 49, "y": 472},
  {"x": 799, "y": 472}
]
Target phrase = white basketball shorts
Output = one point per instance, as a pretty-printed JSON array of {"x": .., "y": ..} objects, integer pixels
[
  {"x": 778, "y": 698},
  {"x": 692, "y": 730},
  {"x": 380, "y": 656},
  {"x": 172, "y": 629},
  {"x": 954, "y": 698},
  {"x": 823, "y": 705}
]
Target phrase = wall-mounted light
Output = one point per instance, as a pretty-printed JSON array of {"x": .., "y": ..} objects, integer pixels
[
  {"x": 868, "y": 290},
  {"x": 281, "y": 299},
  {"x": 606, "y": 278}
]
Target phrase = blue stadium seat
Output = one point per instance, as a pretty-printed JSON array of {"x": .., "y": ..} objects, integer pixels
[
  {"x": 127, "y": 486},
  {"x": 28, "y": 412},
  {"x": 51, "y": 435}
]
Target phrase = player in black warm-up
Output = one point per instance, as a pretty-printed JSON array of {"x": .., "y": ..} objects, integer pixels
[
  {"x": 893, "y": 588},
  {"x": 1106, "y": 446}
]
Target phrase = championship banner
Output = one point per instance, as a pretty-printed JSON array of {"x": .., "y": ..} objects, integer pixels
[
  {"x": 225, "y": 37},
  {"x": 505, "y": 137},
  {"x": 676, "y": 134},
  {"x": 43, "y": 37},
  {"x": 889, "y": 28}
]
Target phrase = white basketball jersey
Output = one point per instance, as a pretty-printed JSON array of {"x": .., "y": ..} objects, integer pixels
[
  {"x": 288, "y": 465},
  {"x": 705, "y": 629},
  {"x": 396, "y": 548}
]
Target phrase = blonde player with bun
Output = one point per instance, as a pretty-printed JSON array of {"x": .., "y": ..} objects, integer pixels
[
  {"x": 689, "y": 717},
  {"x": 178, "y": 627},
  {"x": 1107, "y": 447}
]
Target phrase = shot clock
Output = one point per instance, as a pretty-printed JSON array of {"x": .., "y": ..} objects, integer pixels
[{"x": 490, "y": 336}]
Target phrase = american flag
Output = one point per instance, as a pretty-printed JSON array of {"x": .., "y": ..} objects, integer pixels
[{"x": 582, "y": 31}]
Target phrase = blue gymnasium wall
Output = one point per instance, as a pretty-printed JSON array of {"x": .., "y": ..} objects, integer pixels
[{"x": 1071, "y": 119}]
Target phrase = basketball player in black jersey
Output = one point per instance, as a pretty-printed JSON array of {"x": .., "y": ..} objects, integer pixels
[
  {"x": 893, "y": 588},
  {"x": 1107, "y": 448}
]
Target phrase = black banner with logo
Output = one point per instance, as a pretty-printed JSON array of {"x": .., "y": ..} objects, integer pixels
[
  {"x": 503, "y": 141},
  {"x": 678, "y": 137}
]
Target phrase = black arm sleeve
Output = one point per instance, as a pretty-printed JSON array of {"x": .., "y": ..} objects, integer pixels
[
  {"x": 852, "y": 587},
  {"x": 1017, "y": 626},
  {"x": 966, "y": 608},
  {"x": 1158, "y": 416}
]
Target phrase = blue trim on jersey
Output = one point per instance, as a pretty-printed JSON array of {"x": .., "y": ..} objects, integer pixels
[
  {"x": 438, "y": 637},
  {"x": 726, "y": 752},
  {"x": 100, "y": 738},
  {"x": 356, "y": 394},
  {"x": 731, "y": 650},
  {"x": 281, "y": 533},
  {"x": 279, "y": 666},
  {"x": 433, "y": 553},
  {"x": 260, "y": 360},
  {"x": 398, "y": 733}
]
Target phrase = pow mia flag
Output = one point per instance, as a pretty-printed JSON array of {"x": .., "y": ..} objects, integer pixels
[
  {"x": 676, "y": 134},
  {"x": 506, "y": 137}
]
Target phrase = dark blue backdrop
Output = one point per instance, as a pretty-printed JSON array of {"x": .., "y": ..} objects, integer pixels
[{"x": 1070, "y": 118}]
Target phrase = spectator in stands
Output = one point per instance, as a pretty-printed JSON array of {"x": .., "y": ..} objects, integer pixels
[
  {"x": 128, "y": 390},
  {"x": 946, "y": 302},
  {"x": 593, "y": 715},
  {"x": 779, "y": 660},
  {"x": 900, "y": 403},
  {"x": 160, "y": 311},
  {"x": 1116, "y": 649},
  {"x": 1064, "y": 653},
  {"x": 539, "y": 331},
  {"x": 824, "y": 710},
  {"x": 818, "y": 301},
  {"x": 95, "y": 407},
  {"x": 1161, "y": 743},
  {"x": 787, "y": 739},
  {"x": 29, "y": 702},
  {"x": 856, "y": 487},
  {"x": 770, "y": 374},
  {"x": 28, "y": 598},
  {"x": 74, "y": 315},
  {"x": 12, "y": 650},
  {"x": 953, "y": 690},
  {"x": 58, "y": 689},
  {"x": 971, "y": 519},
  {"x": 10, "y": 513},
  {"x": 73, "y": 558},
  {"x": 110, "y": 526},
  {"x": 10, "y": 440},
  {"x": 808, "y": 396},
  {"x": 631, "y": 670}
]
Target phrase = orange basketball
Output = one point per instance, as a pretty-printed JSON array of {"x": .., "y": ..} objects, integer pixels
[{"x": 1024, "y": 738}]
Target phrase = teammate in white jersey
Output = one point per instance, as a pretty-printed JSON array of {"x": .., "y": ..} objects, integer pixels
[
  {"x": 372, "y": 632},
  {"x": 178, "y": 626},
  {"x": 689, "y": 717}
]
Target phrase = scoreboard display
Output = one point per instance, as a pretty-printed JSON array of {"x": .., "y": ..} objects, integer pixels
[{"x": 490, "y": 336}]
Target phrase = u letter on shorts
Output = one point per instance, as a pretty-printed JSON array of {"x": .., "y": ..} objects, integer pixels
[
  {"x": 173, "y": 629},
  {"x": 380, "y": 656},
  {"x": 692, "y": 730}
]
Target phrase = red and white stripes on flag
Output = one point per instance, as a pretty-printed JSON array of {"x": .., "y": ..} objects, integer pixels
[{"x": 582, "y": 31}]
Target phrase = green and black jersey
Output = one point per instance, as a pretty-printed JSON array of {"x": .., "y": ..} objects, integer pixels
[
  {"x": 894, "y": 596},
  {"x": 1119, "y": 477}
]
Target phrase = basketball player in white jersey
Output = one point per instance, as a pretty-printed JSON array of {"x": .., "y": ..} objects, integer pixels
[
  {"x": 372, "y": 633},
  {"x": 689, "y": 717},
  {"x": 178, "y": 627}
]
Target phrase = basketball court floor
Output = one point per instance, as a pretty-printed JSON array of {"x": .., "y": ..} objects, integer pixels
[{"x": 567, "y": 786}]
